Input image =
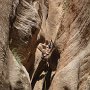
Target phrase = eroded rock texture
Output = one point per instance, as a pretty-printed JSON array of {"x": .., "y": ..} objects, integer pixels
[
  {"x": 48, "y": 46},
  {"x": 4, "y": 33},
  {"x": 13, "y": 76},
  {"x": 67, "y": 25},
  {"x": 18, "y": 76},
  {"x": 24, "y": 30}
]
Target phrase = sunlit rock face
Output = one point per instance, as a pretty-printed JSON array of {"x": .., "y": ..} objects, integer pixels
[
  {"x": 18, "y": 76},
  {"x": 67, "y": 25},
  {"x": 73, "y": 41}
]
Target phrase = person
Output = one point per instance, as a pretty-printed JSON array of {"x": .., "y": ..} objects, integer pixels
[{"x": 46, "y": 50}]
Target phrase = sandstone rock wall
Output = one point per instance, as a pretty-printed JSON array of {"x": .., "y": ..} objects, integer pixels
[
  {"x": 4, "y": 33},
  {"x": 51, "y": 38},
  {"x": 18, "y": 76},
  {"x": 67, "y": 25}
]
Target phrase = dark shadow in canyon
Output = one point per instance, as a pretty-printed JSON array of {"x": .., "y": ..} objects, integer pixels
[{"x": 47, "y": 77}]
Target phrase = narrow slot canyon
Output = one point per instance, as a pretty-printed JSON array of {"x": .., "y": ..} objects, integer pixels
[{"x": 45, "y": 45}]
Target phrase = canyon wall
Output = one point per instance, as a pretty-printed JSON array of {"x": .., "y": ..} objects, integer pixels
[{"x": 46, "y": 44}]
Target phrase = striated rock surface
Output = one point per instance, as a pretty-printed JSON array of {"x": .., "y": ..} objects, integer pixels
[
  {"x": 67, "y": 25},
  {"x": 24, "y": 30},
  {"x": 5, "y": 8},
  {"x": 18, "y": 76},
  {"x": 73, "y": 40}
]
